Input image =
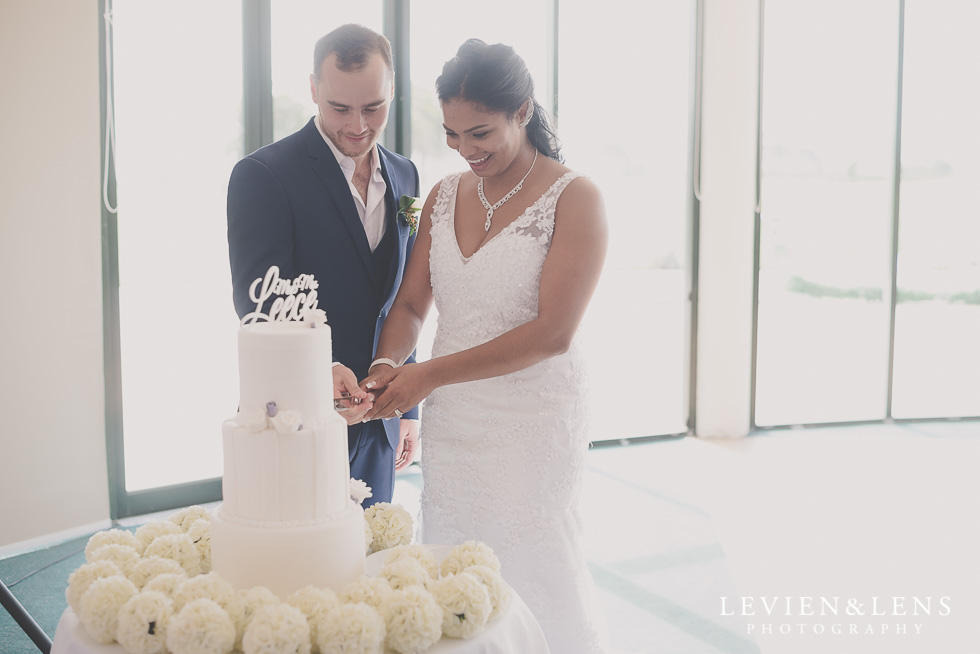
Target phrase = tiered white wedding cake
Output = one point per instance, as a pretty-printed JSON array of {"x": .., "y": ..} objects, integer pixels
[{"x": 287, "y": 519}]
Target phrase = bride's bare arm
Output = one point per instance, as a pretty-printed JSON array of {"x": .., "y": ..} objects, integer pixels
[
  {"x": 568, "y": 279},
  {"x": 401, "y": 329}
]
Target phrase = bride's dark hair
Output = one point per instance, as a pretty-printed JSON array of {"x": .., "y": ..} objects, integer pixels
[{"x": 496, "y": 77}]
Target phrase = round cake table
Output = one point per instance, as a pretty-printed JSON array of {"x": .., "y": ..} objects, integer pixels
[{"x": 515, "y": 630}]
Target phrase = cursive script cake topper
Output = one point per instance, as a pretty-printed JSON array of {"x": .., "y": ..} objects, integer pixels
[{"x": 297, "y": 297}]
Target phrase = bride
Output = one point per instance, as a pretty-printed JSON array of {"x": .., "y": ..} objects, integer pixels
[{"x": 511, "y": 252}]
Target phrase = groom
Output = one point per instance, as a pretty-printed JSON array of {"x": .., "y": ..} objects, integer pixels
[{"x": 325, "y": 201}]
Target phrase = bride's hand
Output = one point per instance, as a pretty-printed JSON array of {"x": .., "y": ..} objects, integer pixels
[{"x": 400, "y": 389}]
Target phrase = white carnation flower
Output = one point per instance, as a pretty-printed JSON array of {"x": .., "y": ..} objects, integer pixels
[
  {"x": 314, "y": 603},
  {"x": 418, "y": 552},
  {"x": 469, "y": 553},
  {"x": 112, "y": 537},
  {"x": 201, "y": 627},
  {"x": 200, "y": 534},
  {"x": 368, "y": 537},
  {"x": 254, "y": 421},
  {"x": 465, "y": 603},
  {"x": 500, "y": 592},
  {"x": 166, "y": 583},
  {"x": 351, "y": 628},
  {"x": 359, "y": 490},
  {"x": 152, "y": 566},
  {"x": 287, "y": 422},
  {"x": 100, "y": 606},
  {"x": 277, "y": 628},
  {"x": 391, "y": 525},
  {"x": 149, "y": 532},
  {"x": 213, "y": 587},
  {"x": 143, "y": 623},
  {"x": 404, "y": 572},
  {"x": 82, "y": 578},
  {"x": 186, "y": 517},
  {"x": 123, "y": 556},
  {"x": 369, "y": 590},
  {"x": 413, "y": 619},
  {"x": 253, "y": 600},
  {"x": 178, "y": 547}
]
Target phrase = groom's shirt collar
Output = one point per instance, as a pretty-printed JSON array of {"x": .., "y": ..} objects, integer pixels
[{"x": 372, "y": 212}]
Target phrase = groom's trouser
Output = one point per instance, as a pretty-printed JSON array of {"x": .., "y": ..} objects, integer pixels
[{"x": 372, "y": 460}]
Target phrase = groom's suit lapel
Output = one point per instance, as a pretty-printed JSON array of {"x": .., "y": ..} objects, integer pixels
[
  {"x": 392, "y": 196},
  {"x": 328, "y": 170}
]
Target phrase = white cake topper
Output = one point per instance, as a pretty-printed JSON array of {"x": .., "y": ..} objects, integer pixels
[{"x": 297, "y": 299}]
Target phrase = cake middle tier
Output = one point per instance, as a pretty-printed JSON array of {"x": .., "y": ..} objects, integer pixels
[{"x": 297, "y": 478}]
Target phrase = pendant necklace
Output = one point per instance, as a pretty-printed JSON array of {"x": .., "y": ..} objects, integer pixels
[{"x": 491, "y": 208}]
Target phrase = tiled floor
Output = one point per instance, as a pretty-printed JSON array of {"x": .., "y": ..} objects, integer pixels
[{"x": 660, "y": 550}]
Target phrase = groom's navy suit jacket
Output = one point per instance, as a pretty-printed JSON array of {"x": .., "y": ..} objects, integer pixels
[{"x": 290, "y": 205}]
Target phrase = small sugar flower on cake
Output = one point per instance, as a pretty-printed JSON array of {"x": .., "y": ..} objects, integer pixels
[
  {"x": 315, "y": 317},
  {"x": 391, "y": 525},
  {"x": 359, "y": 491}
]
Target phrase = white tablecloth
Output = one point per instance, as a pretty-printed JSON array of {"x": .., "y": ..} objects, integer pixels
[{"x": 514, "y": 631}]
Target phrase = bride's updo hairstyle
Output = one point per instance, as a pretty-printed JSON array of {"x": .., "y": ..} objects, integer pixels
[{"x": 496, "y": 78}]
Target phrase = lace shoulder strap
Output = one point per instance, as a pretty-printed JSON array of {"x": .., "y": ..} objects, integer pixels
[
  {"x": 445, "y": 199},
  {"x": 539, "y": 221}
]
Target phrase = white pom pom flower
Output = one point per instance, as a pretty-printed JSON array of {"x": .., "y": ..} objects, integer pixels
[
  {"x": 277, "y": 628},
  {"x": 166, "y": 583},
  {"x": 500, "y": 592},
  {"x": 391, "y": 525},
  {"x": 149, "y": 532},
  {"x": 201, "y": 627},
  {"x": 417, "y": 552},
  {"x": 213, "y": 587},
  {"x": 143, "y": 623},
  {"x": 124, "y": 556},
  {"x": 186, "y": 517},
  {"x": 469, "y": 553},
  {"x": 200, "y": 534},
  {"x": 314, "y": 603},
  {"x": 349, "y": 628},
  {"x": 403, "y": 573},
  {"x": 413, "y": 620},
  {"x": 465, "y": 603},
  {"x": 151, "y": 566},
  {"x": 178, "y": 547},
  {"x": 369, "y": 590},
  {"x": 82, "y": 578},
  {"x": 100, "y": 607},
  {"x": 112, "y": 537}
]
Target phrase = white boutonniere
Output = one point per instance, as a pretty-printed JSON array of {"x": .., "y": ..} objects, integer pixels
[{"x": 408, "y": 210}]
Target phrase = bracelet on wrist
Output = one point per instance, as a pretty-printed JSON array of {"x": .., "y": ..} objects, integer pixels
[{"x": 382, "y": 360}]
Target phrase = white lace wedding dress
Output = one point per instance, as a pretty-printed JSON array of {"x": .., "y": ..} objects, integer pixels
[{"x": 502, "y": 458}]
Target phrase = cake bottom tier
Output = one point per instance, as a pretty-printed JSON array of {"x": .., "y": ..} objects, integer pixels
[{"x": 285, "y": 559}]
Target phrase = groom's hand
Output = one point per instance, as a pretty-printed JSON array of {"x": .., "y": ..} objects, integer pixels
[
  {"x": 408, "y": 444},
  {"x": 345, "y": 384}
]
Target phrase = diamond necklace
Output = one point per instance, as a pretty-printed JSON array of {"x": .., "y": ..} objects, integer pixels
[{"x": 491, "y": 208}]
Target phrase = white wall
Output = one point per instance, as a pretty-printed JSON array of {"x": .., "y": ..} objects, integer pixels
[{"x": 52, "y": 427}]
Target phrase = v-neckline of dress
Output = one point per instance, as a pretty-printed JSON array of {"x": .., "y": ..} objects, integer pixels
[{"x": 459, "y": 250}]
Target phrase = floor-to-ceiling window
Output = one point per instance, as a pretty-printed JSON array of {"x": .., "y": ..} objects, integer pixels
[
  {"x": 830, "y": 74},
  {"x": 937, "y": 322}
]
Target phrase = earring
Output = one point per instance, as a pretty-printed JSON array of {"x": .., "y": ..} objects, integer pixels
[{"x": 527, "y": 116}]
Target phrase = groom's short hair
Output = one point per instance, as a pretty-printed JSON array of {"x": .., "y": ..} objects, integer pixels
[{"x": 353, "y": 45}]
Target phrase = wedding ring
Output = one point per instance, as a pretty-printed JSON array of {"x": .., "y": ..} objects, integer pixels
[{"x": 398, "y": 413}]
